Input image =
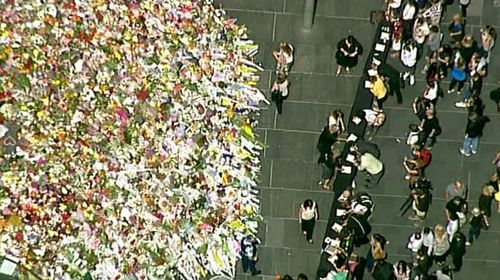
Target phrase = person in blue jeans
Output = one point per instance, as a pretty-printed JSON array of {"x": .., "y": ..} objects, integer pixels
[
  {"x": 475, "y": 223},
  {"x": 249, "y": 254},
  {"x": 473, "y": 131}
]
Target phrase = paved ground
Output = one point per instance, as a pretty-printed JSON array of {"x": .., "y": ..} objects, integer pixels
[{"x": 289, "y": 171}]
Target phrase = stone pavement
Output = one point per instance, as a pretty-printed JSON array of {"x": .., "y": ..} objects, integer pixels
[{"x": 289, "y": 170}]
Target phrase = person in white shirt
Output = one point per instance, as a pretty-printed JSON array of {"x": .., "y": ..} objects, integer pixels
[
  {"x": 409, "y": 60},
  {"x": 427, "y": 240},
  {"x": 284, "y": 58},
  {"x": 420, "y": 32},
  {"x": 464, "y": 4},
  {"x": 414, "y": 244},
  {"x": 373, "y": 166},
  {"x": 408, "y": 16},
  {"x": 431, "y": 92},
  {"x": 308, "y": 214}
]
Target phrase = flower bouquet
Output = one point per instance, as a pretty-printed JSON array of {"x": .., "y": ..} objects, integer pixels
[{"x": 136, "y": 153}]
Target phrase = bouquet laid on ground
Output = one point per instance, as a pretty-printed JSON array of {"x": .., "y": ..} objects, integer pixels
[{"x": 136, "y": 153}]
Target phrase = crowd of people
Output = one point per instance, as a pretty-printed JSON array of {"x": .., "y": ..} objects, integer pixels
[{"x": 416, "y": 36}]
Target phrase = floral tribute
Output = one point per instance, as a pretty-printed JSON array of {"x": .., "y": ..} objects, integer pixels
[{"x": 136, "y": 152}]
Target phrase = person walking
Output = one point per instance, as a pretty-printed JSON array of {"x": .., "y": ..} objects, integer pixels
[
  {"x": 457, "y": 250},
  {"x": 415, "y": 242},
  {"x": 485, "y": 201},
  {"x": 441, "y": 244},
  {"x": 308, "y": 214},
  {"x": 476, "y": 222},
  {"x": 373, "y": 166},
  {"x": 473, "y": 131},
  {"x": 347, "y": 55},
  {"x": 279, "y": 91},
  {"x": 249, "y": 254},
  {"x": 455, "y": 212}
]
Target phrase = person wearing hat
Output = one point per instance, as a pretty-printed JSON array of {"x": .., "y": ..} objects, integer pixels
[{"x": 475, "y": 223}]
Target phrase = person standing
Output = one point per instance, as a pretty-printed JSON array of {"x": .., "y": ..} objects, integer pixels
[
  {"x": 476, "y": 222},
  {"x": 473, "y": 131},
  {"x": 414, "y": 244},
  {"x": 348, "y": 52},
  {"x": 457, "y": 250},
  {"x": 458, "y": 76},
  {"x": 454, "y": 189},
  {"x": 464, "y": 4},
  {"x": 428, "y": 241},
  {"x": 409, "y": 60},
  {"x": 379, "y": 92},
  {"x": 329, "y": 166},
  {"x": 485, "y": 201},
  {"x": 430, "y": 129},
  {"x": 373, "y": 166},
  {"x": 456, "y": 30},
  {"x": 408, "y": 16},
  {"x": 249, "y": 254},
  {"x": 284, "y": 58},
  {"x": 279, "y": 91},
  {"x": 441, "y": 244},
  {"x": 391, "y": 74},
  {"x": 455, "y": 211},
  {"x": 401, "y": 270},
  {"x": 326, "y": 139},
  {"x": 308, "y": 214}
]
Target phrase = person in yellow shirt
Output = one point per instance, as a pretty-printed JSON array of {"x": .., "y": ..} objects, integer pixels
[{"x": 379, "y": 91}]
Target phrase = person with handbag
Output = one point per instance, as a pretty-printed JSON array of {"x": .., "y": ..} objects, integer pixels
[
  {"x": 279, "y": 91},
  {"x": 308, "y": 214}
]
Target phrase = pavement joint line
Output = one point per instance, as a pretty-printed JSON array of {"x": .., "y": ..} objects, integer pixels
[
  {"x": 296, "y": 14},
  {"x": 274, "y": 26},
  {"x": 377, "y": 136},
  {"x": 271, "y": 174},
  {"x": 333, "y": 17},
  {"x": 373, "y": 224}
]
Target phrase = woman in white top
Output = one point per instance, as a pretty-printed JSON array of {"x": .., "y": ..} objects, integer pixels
[
  {"x": 402, "y": 270},
  {"x": 408, "y": 16},
  {"x": 308, "y": 214},
  {"x": 279, "y": 91}
]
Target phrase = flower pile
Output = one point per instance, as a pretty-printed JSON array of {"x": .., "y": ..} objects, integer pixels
[{"x": 136, "y": 153}]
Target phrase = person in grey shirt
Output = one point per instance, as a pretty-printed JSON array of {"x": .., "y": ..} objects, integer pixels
[{"x": 456, "y": 188}]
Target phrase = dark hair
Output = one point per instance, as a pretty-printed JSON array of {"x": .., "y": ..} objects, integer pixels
[
  {"x": 350, "y": 39},
  {"x": 308, "y": 203},
  {"x": 434, "y": 29},
  {"x": 446, "y": 270},
  {"x": 302, "y": 276},
  {"x": 427, "y": 230},
  {"x": 418, "y": 235},
  {"x": 403, "y": 265},
  {"x": 380, "y": 239},
  {"x": 287, "y": 277},
  {"x": 413, "y": 127}
]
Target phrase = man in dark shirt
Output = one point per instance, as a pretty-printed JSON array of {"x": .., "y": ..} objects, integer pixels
[
  {"x": 430, "y": 129},
  {"x": 392, "y": 74},
  {"x": 249, "y": 254},
  {"x": 473, "y": 131}
]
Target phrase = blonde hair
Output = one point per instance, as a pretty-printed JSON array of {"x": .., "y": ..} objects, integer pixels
[{"x": 439, "y": 231}]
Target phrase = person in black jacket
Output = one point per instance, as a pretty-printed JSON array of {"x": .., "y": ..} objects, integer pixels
[
  {"x": 249, "y": 254},
  {"x": 389, "y": 72},
  {"x": 457, "y": 250},
  {"x": 326, "y": 139},
  {"x": 430, "y": 129},
  {"x": 330, "y": 164},
  {"x": 473, "y": 131}
]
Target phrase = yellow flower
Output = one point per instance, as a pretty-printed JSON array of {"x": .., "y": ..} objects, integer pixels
[{"x": 40, "y": 114}]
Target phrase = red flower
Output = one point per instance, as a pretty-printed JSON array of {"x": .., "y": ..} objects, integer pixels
[
  {"x": 19, "y": 236},
  {"x": 142, "y": 94}
]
